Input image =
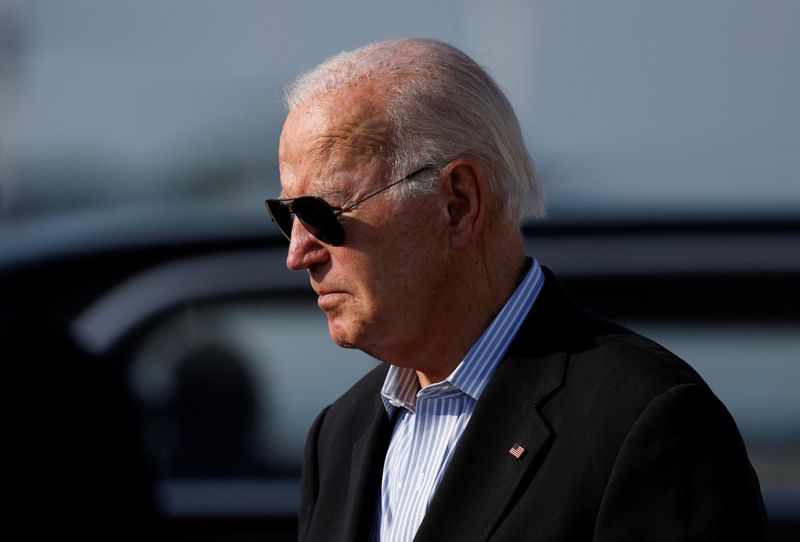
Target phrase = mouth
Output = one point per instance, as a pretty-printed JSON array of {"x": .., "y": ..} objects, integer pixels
[{"x": 326, "y": 299}]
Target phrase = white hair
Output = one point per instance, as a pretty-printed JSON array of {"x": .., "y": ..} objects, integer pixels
[{"x": 440, "y": 104}]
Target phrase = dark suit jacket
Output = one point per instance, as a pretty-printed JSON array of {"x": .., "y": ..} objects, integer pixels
[{"x": 623, "y": 441}]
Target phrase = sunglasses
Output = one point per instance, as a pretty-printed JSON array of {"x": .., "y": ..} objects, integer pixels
[{"x": 319, "y": 217}]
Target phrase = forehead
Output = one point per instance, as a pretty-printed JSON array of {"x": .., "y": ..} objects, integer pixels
[{"x": 339, "y": 135}]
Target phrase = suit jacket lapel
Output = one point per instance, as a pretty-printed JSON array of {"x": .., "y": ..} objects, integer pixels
[
  {"x": 480, "y": 483},
  {"x": 483, "y": 475},
  {"x": 366, "y": 471}
]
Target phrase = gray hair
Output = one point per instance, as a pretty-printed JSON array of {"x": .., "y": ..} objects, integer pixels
[{"x": 440, "y": 104}]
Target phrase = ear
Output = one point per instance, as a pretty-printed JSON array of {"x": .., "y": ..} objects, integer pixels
[{"x": 466, "y": 193}]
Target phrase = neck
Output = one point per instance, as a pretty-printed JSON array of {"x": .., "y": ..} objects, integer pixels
[{"x": 478, "y": 286}]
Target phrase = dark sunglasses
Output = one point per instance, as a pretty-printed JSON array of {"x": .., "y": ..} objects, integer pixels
[{"x": 319, "y": 217}]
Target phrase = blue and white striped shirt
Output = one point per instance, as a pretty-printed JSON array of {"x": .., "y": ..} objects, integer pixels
[{"x": 431, "y": 420}]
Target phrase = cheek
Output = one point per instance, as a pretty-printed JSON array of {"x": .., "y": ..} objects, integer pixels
[
  {"x": 415, "y": 267},
  {"x": 399, "y": 261},
  {"x": 365, "y": 283}
]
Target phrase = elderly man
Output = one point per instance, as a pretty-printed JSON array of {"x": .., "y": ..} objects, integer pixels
[{"x": 502, "y": 411}]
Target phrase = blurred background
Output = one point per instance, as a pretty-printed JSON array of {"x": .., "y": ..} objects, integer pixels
[
  {"x": 630, "y": 108},
  {"x": 138, "y": 141}
]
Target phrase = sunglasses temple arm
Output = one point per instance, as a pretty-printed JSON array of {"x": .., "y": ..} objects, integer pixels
[{"x": 387, "y": 187}]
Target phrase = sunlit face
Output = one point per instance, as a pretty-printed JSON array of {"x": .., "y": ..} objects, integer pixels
[{"x": 379, "y": 289}]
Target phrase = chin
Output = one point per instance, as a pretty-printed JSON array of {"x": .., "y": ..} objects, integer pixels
[
  {"x": 341, "y": 335},
  {"x": 343, "y": 343},
  {"x": 358, "y": 333}
]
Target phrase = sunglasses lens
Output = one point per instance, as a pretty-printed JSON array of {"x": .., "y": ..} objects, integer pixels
[
  {"x": 315, "y": 214},
  {"x": 318, "y": 218},
  {"x": 281, "y": 216}
]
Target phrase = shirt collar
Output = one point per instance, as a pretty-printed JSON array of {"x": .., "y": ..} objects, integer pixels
[{"x": 401, "y": 386}]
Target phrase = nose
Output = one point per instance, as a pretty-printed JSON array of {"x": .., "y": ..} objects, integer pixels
[{"x": 305, "y": 250}]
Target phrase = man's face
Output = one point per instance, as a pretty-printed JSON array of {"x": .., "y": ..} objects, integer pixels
[{"x": 379, "y": 289}]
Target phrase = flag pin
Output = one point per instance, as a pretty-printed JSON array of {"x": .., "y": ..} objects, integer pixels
[{"x": 517, "y": 450}]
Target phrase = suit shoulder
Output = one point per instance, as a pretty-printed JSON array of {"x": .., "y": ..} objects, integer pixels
[
  {"x": 355, "y": 406},
  {"x": 365, "y": 389},
  {"x": 613, "y": 380},
  {"x": 638, "y": 360}
]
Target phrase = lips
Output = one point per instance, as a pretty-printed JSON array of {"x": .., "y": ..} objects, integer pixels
[
  {"x": 327, "y": 297},
  {"x": 325, "y": 291}
]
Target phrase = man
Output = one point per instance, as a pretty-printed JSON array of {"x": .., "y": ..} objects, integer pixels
[{"x": 502, "y": 411}]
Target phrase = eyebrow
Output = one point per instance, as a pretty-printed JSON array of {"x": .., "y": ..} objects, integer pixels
[{"x": 326, "y": 193}]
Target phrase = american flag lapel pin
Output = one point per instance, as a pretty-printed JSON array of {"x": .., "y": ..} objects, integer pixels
[{"x": 517, "y": 450}]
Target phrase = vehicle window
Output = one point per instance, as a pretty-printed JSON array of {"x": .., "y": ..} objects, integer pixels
[{"x": 229, "y": 389}]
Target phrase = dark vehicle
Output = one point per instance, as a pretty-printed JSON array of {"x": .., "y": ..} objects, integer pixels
[{"x": 169, "y": 365}]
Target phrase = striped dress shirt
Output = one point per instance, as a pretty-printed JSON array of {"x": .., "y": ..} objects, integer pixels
[{"x": 431, "y": 420}]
